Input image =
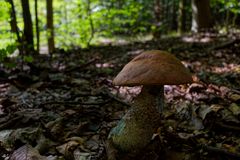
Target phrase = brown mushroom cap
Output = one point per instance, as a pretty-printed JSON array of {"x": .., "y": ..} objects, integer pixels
[{"x": 153, "y": 68}]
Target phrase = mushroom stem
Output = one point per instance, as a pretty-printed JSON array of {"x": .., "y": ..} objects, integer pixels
[
  {"x": 158, "y": 93},
  {"x": 135, "y": 130}
]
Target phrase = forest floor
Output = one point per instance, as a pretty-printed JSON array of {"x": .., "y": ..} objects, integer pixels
[{"x": 64, "y": 107}]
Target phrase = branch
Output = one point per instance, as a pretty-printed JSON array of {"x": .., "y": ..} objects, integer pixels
[
  {"x": 81, "y": 66},
  {"x": 75, "y": 103},
  {"x": 113, "y": 97},
  {"x": 220, "y": 150},
  {"x": 111, "y": 150},
  {"x": 224, "y": 44}
]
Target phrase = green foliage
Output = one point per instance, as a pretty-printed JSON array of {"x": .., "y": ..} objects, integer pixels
[
  {"x": 231, "y": 5},
  {"x": 74, "y": 27},
  {"x": 4, "y": 52},
  {"x": 77, "y": 22},
  {"x": 80, "y": 20},
  {"x": 5, "y": 34},
  {"x": 128, "y": 17},
  {"x": 4, "y": 11},
  {"x": 28, "y": 59}
]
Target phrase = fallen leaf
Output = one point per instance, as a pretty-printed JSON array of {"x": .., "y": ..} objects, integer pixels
[
  {"x": 26, "y": 152},
  {"x": 234, "y": 97},
  {"x": 235, "y": 109},
  {"x": 67, "y": 147}
]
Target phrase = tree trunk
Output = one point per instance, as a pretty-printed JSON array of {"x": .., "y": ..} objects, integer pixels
[
  {"x": 227, "y": 20},
  {"x": 173, "y": 22},
  {"x": 28, "y": 27},
  {"x": 50, "y": 28},
  {"x": 36, "y": 25},
  {"x": 89, "y": 14},
  {"x": 237, "y": 20},
  {"x": 14, "y": 27},
  {"x": 167, "y": 16},
  {"x": 201, "y": 15},
  {"x": 13, "y": 21},
  {"x": 181, "y": 16},
  {"x": 188, "y": 16},
  {"x": 66, "y": 17},
  {"x": 158, "y": 17}
]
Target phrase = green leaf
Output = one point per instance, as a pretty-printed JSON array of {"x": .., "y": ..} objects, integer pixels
[
  {"x": 11, "y": 48},
  {"x": 28, "y": 58},
  {"x": 3, "y": 54},
  {"x": 10, "y": 64}
]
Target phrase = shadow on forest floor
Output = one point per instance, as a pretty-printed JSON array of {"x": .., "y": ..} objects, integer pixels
[{"x": 66, "y": 107}]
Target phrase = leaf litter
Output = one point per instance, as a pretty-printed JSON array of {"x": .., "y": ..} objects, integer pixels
[{"x": 65, "y": 108}]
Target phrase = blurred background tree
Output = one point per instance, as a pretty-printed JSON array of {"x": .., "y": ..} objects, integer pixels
[{"x": 81, "y": 23}]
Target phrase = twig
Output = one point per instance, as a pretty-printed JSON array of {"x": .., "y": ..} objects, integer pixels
[
  {"x": 11, "y": 122},
  {"x": 192, "y": 143},
  {"x": 236, "y": 91},
  {"x": 81, "y": 66},
  {"x": 221, "y": 151},
  {"x": 75, "y": 103},
  {"x": 111, "y": 151},
  {"x": 228, "y": 127},
  {"x": 4, "y": 80},
  {"x": 224, "y": 44},
  {"x": 110, "y": 95}
]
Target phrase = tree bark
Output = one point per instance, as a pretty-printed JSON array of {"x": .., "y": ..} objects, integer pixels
[
  {"x": 28, "y": 27},
  {"x": 14, "y": 27},
  {"x": 181, "y": 16},
  {"x": 158, "y": 17},
  {"x": 167, "y": 16},
  {"x": 50, "y": 28},
  {"x": 89, "y": 14},
  {"x": 13, "y": 21},
  {"x": 36, "y": 25},
  {"x": 173, "y": 22},
  {"x": 66, "y": 17},
  {"x": 201, "y": 15}
]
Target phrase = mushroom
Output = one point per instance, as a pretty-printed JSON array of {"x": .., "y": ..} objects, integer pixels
[{"x": 151, "y": 69}]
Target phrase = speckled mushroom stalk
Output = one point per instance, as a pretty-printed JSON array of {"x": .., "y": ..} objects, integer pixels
[
  {"x": 136, "y": 128},
  {"x": 151, "y": 69},
  {"x": 159, "y": 97}
]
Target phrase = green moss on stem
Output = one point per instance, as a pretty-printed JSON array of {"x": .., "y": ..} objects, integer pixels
[{"x": 135, "y": 130}]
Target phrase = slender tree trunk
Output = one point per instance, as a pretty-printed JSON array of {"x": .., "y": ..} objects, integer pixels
[
  {"x": 188, "y": 16},
  {"x": 158, "y": 17},
  {"x": 89, "y": 14},
  {"x": 174, "y": 16},
  {"x": 28, "y": 27},
  {"x": 50, "y": 28},
  {"x": 66, "y": 16},
  {"x": 157, "y": 10},
  {"x": 234, "y": 19},
  {"x": 181, "y": 16},
  {"x": 13, "y": 21},
  {"x": 237, "y": 20},
  {"x": 201, "y": 15},
  {"x": 36, "y": 25},
  {"x": 167, "y": 15},
  {"x": 227, "y": 20},
  {"x": 14, "y": 27}
]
